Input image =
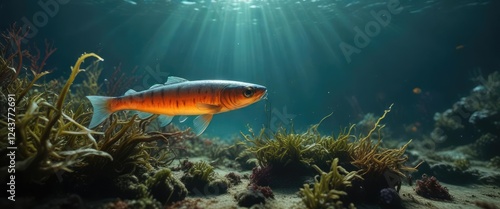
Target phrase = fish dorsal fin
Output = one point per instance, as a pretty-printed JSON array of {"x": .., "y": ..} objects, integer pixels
[
  {"x": 208, "y": 108},
  {"x": 156, "y": 86},
  {"x": 164, "y": 120},
  {"x": 182, "y": 118},
  {"x": 173, "y": 79},
  {"x": 129, "y": 92},
  {"x": 201, "y": 123}
]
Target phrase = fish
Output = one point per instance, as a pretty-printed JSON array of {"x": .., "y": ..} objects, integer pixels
[{"x": 180, "y": 97}]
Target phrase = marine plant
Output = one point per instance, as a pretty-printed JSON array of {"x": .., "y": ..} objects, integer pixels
[
  {"x": 462, "y": 164},
  {"x": 485, "y": 147},
  {"x": 429, "y": 187},
  {"x": 165, "y": 188},
  {"x": 379, "y": 167},
  {"x": 52, "y": 139},
  {"x": 198, "y": 176},
  {"x": 261, "y": 175},
  {"x": 119, "y": 81},
  {"x": 284, "y": 150},
  {"x": 370, "y": 158},
  {"x": 46, "y": 131},
  {"x": 233, "y": 177},
  {"x": 329, "y": 189},
  {"x": 265, "y": 190},
  {"x": 495, "y": 162}
]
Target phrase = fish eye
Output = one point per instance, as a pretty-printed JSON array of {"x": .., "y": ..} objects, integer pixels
[{"x": 248, "y": 92}]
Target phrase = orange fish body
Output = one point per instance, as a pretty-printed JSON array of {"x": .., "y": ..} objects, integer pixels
[{"x": 181, "y": 97}]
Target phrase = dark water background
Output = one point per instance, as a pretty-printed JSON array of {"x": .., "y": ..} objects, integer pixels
[{"x": 291, "y": 47}]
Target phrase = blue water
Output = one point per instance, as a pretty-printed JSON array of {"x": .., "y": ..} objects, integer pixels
[{"x": 294, "y": 48}]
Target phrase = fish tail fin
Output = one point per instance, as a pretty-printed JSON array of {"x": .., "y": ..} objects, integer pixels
[{"x": 101, "y": 109}]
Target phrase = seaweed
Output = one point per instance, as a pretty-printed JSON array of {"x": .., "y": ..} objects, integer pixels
[
  {"x": 165, "y": 188},
  {"x": 329, "y": 189},
  {"x": 53, "y": 141},
  {"x": 371, "y": 159},
  {"x": 200, "y": 178},
  {"x": 45, "y": 131},
  {"x": 284, "y": 151},
  {"x": 289, "y": 152}
]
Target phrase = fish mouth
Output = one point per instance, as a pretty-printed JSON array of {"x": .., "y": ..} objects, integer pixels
[{"x": 264, "y": 95}]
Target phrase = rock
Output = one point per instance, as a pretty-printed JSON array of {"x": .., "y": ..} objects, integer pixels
[
  {"x": 450, "y": 174},
  {"x": 248, "y": 198},
  {"x": 492, "y": 179},
  {"x": 389, "y": 198}
]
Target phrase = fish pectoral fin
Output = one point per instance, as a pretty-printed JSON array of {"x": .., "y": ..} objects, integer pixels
[
  {"x": 141, "y": 115},
  {"x": 164, "y": 120},
  {"x": 183, "y": 118},
  {"x": 173, "y": 79},
  {"x": 201, "y": 123},
  {"x": 208, "y": 107}
]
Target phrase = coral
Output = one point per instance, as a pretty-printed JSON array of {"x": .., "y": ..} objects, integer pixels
[
  {"x": 447, "y": 120},
  {"x": 495, "y": 162},
  {"x": 188, "y": 203},
  {"x": 218, "y": 186},
  {"x": 429, "y": 187},
  {"x": 11, "y": 49},
  {"x": 120, "y": 81},
  {"x": 127, "y": 186},
  {"x": 198, "y": 176},
  {"x": 265, "y": 190},
  {"x": 165, "y": 188},
  {"x": 234, "y": 178},
  {"x": 261, "y": 176},
  {"x": 485, "y": 146},
  {"x": 462, "y": 164},
  {"x": 328, "y": 191},
  {"x": 141, "y": 203},
  {"x": 475, "y": 114}
]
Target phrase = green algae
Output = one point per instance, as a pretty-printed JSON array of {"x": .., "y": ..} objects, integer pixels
[
  {"x": 165, "y": 188},
  {"x": 329, "y": 189}
]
